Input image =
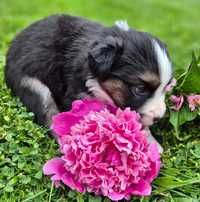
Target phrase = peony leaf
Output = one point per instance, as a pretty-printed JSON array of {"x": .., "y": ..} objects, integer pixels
[
  {"x": 178, "y": 118},
  {"x": 190, "y": 82},
  {"x": 186, "y": 115},
  {"x": 174, "y": 120},
  {"x": 94, "y": 198},
  {"x": 80, "y": 197},
  {"x": 72, "y": 194}
]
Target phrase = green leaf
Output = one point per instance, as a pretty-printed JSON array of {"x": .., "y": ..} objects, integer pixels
[
  {"x": 25, "y": 179},
  {"x": 8, "y": 188},
  {"x": 196, "y": 151},
  {"x": 179, "y": 118},
  {"x": 106, "y": 200},
  {"x": 170, "y": 182},
  {"x": 38, "y": 175},
  {"x": 72, "y": 194},
  {"x": 2, "y": 184},
  {"x": 94, "y": 198},
  {"x": 186, "y": 115},
  {"x": 80, "y": 197},
  {"x": 191, "y": 81},
  {"x": 174, "y": 119},
  {"x": 181, "y": 199}
]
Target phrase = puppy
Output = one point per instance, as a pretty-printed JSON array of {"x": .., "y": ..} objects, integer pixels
[{"x": 62, "y": 58}]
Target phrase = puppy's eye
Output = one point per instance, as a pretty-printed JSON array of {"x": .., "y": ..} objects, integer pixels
[{"x": 139, "y": 90}]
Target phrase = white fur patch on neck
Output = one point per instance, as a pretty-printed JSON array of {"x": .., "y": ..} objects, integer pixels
[
  {"x": 95, "y": 88},
  {"x": 122, "y": 24}
]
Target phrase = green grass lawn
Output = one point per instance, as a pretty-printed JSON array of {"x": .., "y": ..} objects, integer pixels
[{"x": 24, "y": 146}]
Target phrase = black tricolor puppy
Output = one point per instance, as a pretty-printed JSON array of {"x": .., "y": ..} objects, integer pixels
[{"x": 62, "y": 58}]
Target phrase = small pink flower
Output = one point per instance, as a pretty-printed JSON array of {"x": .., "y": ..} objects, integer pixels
[
  {"x": 177, "y": 101},
  {"x": 104, "y": 150},
  {"x": 170, "y": 86},
  {"x": 194, "y": 101}
]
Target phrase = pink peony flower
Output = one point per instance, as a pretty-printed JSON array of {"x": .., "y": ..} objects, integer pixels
[
  {"x": 177, "y": 101},
  {"x": 194, "y": 101},
  {"x": 170, "y": 86},
  {"x": 104, "y": 150}
]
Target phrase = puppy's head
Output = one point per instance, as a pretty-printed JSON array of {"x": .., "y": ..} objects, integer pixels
[{"x": 131, "y": 69}]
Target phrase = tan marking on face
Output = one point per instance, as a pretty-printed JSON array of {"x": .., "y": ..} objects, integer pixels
[
  {"x": 116, "y": 90},
  {"x": 151, "y": 78}
]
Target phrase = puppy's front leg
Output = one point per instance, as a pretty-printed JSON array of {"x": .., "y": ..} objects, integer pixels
[
  {"x": 151, "y": 139},
  {"x": 38, "y": 98}
]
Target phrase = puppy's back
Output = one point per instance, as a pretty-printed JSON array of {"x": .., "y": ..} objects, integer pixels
[
  {"x": 36, "y": 59},
  {"x": 45, "y": 39}
]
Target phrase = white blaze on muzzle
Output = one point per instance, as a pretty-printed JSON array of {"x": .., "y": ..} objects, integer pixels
[{"x": 155, "y": 106}]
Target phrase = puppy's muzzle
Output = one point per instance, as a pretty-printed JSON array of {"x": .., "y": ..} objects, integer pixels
[{"x": 148, "y": 120}]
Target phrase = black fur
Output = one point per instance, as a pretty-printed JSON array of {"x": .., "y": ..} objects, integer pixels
[{"x": 62, "y": 51}]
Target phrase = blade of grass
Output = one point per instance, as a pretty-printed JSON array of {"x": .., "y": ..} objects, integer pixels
[
  {"x": 177, "y": 185},
  {"x": 35, "y": 196},
  {"x": 50, "y": 192}
]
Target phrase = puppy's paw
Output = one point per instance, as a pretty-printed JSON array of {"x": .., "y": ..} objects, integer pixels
[{"x": 151, "y": 139}]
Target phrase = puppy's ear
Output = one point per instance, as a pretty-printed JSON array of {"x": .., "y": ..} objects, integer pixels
[{"x": 103, "y": 54}]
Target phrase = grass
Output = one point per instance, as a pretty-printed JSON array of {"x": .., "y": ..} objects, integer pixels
[{"x": 25, "y": 146}]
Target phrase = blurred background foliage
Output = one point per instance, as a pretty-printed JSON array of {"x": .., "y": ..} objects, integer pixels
[{"x": 177, "y": 23}]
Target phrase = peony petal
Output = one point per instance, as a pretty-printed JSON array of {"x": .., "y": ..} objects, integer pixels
[
  {"x": 94, "y": 105},
  {"x": 62, "y": 122},
  {"x": 55, "y": 178},
  {"x": 141, "y": 189},
  {"x": 154, "y": 170},
  {"x": 153, "y": 152},
  {"x": 116, "y": 196},
  {"x": 111, "y": 108},
  {"x": 54, "y": 166},
  {"x": 69, "y": 157},
  {"x": 68, "y": 180},
  {"x": 79, "y": 107},
  {"x": 83, "y": 107}
]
